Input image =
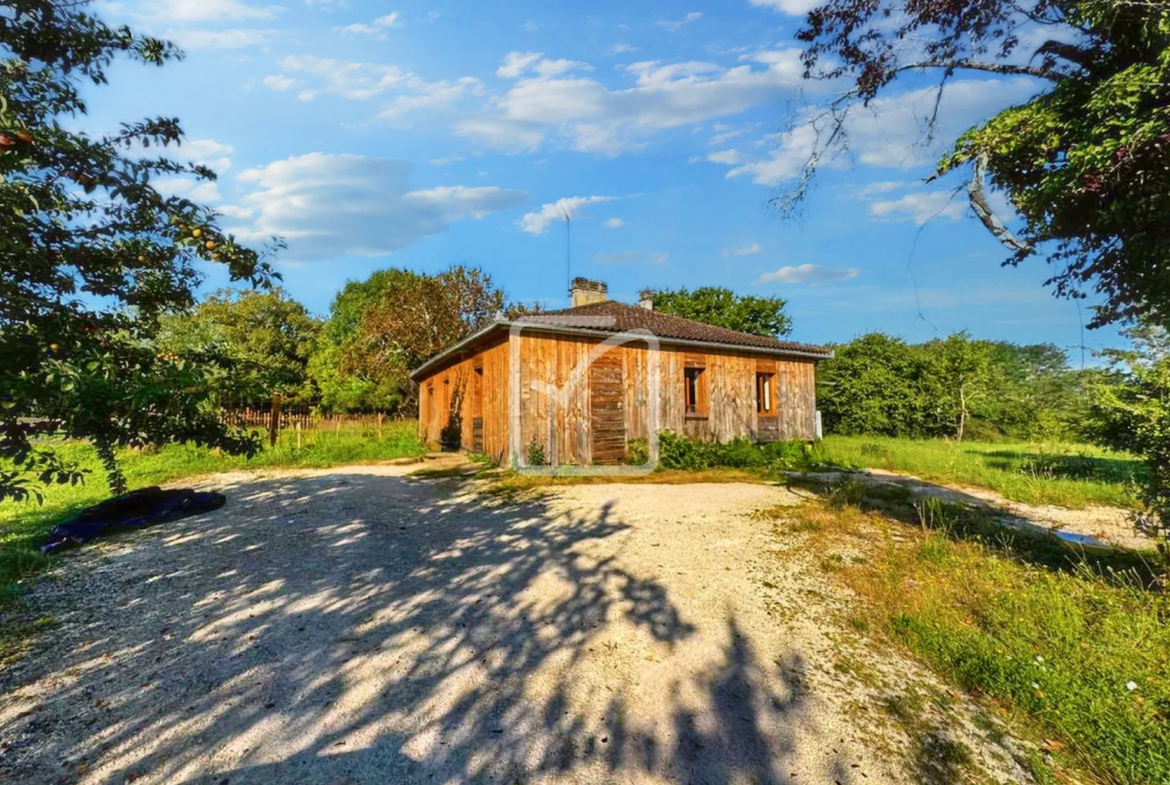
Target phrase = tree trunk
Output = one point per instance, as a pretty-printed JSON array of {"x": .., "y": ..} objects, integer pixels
[
  {"x": 114, "y": 476},
  {"x": 962, "y": 412}
]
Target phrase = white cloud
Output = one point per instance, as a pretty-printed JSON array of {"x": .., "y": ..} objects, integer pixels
[
  {"x": 808, "y": 273},
  {"x": 446, "y": 160},
  {"x": 194, "y": 39},
  {"x": 882, "y": 187},
  {"x": 792, "y": 7},
  {"x": 630, "y": 257},
  {"x": 731, "y": 157},
  {"x": 536, "y": 222},
  {"x": 674, "y": 27},
  {"x": 327, "y": 205},
  {"x": 362, "y": 81},
  {"x": 890, "y": 131},
  {"x": 614, "y": 223},
  {"x": 207, "y": 152},
  {"x": 376, "y": 30},
  {"x": 282, "y": 83},
  {"x": 208, "y": 10},
  {"x": 516, "y": 63},
  {"x": 458, "y": 201},
  {"x": 747, "y": 250},
  {"x": 594, "y": 118},
  {"x": 430, "y": 95},
  {"x": 620, "y": 48},
  {"x": 352, "y": 80},
  {"x": 197, "y": 191},
  {"x": 921, "y": 207}
]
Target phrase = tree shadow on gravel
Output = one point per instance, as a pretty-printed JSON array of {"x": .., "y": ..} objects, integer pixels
[{"x": 362, "y": 628}]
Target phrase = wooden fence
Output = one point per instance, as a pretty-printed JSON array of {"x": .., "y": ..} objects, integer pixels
[{"x": 275, "y": 417}]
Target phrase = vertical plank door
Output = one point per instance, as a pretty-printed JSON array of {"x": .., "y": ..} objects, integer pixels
[{"x": 607, "y": 418}]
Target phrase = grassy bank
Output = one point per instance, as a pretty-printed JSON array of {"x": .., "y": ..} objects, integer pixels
[
  {"x": 1079, "y": 657},
  {"x": 24, "y": 525},
  {"x": 1068, "y": 475}
]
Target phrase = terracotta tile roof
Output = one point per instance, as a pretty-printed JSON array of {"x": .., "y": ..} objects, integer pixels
[{"x": 610, "y": 316}]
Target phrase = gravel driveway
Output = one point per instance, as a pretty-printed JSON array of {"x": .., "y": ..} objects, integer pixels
[{"x": 361, "y": 626}]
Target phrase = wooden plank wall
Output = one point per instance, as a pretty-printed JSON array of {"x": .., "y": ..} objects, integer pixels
[
  {"x": 453, "y": 403},
  {"x": 730, "y": 380}
]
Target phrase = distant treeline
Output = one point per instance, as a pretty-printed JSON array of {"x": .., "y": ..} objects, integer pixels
[{"x": 955, "y": 387}]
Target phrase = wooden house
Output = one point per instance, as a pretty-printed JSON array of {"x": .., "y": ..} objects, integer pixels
[{"x": 583, "y": 382}]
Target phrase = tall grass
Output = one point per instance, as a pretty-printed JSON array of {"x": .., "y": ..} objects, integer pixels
[
  {"x": 24, "y": 525},
  {"x": 1081, "y": 658},
  {"x": 1068, "y": 475}
]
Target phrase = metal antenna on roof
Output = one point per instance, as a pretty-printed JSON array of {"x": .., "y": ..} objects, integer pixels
[{"x": 568, "y": 248}]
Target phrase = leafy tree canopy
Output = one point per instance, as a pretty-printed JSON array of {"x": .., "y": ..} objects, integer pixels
[
  {"x": 264, "y": 337},
  {"x": 92, "y": 254},
  {"x": 383, "y": 328},
  {"x": 724, "y": 308},
  {"x": 877, "y": 384},
  {"x": 1085, "y": 162}
]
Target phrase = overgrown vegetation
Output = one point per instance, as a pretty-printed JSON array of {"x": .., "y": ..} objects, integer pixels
[
  {"x": 954, "y": 388},
  {"x": 93, "y": 253},
  {"x": 1073, "y": 647},
  {"x": 24, "y": 525},
  {"x": 1066, "y": 475}
]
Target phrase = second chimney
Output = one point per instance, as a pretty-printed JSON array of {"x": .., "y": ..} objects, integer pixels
[
  {"x": 646, "y": 299},
  {"x": 584, "y": 292}
]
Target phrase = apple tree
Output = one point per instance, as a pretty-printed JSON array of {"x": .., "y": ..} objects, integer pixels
[{"x": 92, "y": 254}]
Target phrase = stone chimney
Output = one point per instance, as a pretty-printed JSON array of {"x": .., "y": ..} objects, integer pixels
[
  {"x": 585, "y": 292},
  {"x": 646, "y": 299}
]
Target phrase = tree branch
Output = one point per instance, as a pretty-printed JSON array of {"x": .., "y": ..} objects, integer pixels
[
  {"x": 978, "y": 65},
  {"x": 985, "y": 213}
]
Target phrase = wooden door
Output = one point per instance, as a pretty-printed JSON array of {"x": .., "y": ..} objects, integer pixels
[
  {"x": 606, "y": 416},
  {"x": 477, "y": 409}
]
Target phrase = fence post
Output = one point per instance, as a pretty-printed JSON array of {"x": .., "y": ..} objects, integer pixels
[
  {"x": 298, "y": 434},
  {"x": 379, "y": 426},
  {"x": 274, "y": 420}
]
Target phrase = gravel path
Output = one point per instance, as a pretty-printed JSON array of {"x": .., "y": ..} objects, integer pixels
[{"x": 360, "y": 626}]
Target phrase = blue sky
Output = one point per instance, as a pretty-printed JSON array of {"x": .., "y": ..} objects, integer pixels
[{"x": 423, "y": 134}]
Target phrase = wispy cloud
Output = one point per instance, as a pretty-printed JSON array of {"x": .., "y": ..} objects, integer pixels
[
  {"x": 746, "y": 250},
  {"x": 921, "y": 207},
  {"x": 375, "y": 30},
  {"x": 614, "y": 223},
  {"x": 327, "y": 205},
  {"x": 674, "y": 27},
  {"x": 808, "y": 273},
  {"x": 573, "y": 206}
]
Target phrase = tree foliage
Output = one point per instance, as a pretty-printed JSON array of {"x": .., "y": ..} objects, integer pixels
[
  {"x": 92, "y": 254},
  {"x": 1131, "y": 412},
  {"x": 381, "y": 329},
  {"x": 262, "y": 338},
  {"x": 724, "y": 308},
  {"x": 951, "y": 388},
  {"x": 1084, "y": 162}
]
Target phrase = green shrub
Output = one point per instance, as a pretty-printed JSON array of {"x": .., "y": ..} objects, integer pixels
[
  {"x": 536, "y": 454},
  {"x": 680, "y": 452},
  {"x": 637, "y": 452}
]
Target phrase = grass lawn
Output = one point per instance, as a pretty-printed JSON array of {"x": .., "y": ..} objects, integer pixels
[
  {"x": 1068, "y": 475},
  {"x": 24, "y": 525},
  {"x": 1078, "y": 657}
]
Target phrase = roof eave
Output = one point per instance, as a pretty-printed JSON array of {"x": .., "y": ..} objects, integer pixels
[{"x": 777, "y": 351}]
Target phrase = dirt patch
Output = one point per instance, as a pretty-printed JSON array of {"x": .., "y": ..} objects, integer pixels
[
  {"x": 360, "y": 625},
  {"x": 1107, "y": 524}
]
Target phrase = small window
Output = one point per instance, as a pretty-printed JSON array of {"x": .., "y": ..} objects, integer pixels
[
  {"x": 695, "y": 386},
  {"x": 764, "y": 393}
]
